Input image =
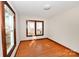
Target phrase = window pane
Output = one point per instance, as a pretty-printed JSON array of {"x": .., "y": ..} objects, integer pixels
[
  {"x": 38, "y": 28},
  {"x": 9, "y": 28},
  {"x": 31, "y": 28}
]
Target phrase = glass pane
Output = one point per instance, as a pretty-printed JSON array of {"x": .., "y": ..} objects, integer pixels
[
  {"x": 31, "y": 28},
  {"x": 9, "y": 28},
  {"x": 38, "y": 28}
]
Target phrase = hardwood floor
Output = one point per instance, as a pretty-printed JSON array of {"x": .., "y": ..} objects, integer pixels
[{"x": 43, "y": 48}]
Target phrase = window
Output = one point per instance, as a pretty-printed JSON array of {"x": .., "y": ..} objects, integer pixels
[
  {"x": 8, "y": 29},
  {"x": 34, "y": 28}
]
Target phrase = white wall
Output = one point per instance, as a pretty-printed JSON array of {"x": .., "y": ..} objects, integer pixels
[
  {"x": 22, "y": 27},
  {"x": 64, "y": 28}
]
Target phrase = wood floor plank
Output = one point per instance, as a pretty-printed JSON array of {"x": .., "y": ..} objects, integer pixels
[{"x": 43, "y": 48}]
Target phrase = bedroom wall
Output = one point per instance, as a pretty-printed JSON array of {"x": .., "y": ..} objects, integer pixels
[
  {"x": 22, "y": 27},
  {"x": 64, "y": 28}
]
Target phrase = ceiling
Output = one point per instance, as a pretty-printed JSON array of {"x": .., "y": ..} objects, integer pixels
[{"x": 36, "y": 8}]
